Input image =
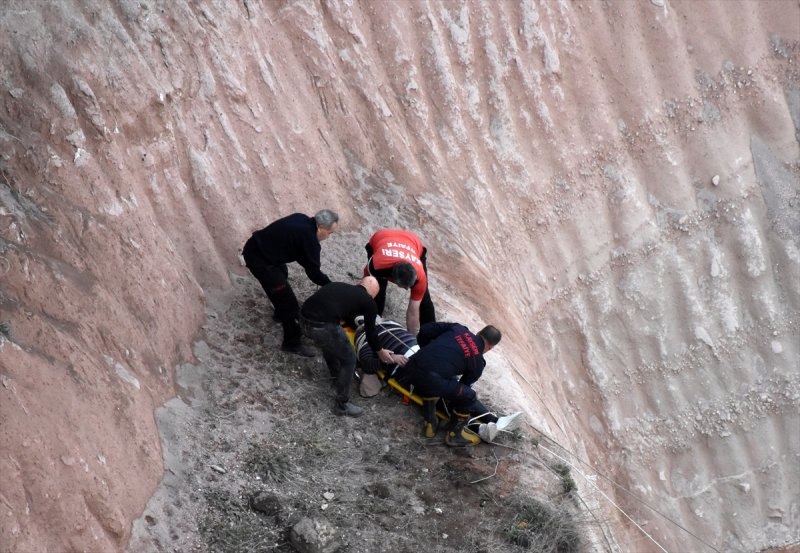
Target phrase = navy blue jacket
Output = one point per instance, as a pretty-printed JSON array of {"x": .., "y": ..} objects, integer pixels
[
  {"x": 449, "y": 350},
  {"x": 293, "y": 238}
]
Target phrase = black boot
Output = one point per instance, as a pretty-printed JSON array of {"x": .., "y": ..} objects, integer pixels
[
  {"x": 460, "y": 435},
  {"x": 431, "y": 423}
]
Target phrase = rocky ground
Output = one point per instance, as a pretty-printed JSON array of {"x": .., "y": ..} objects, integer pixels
[{"x": 255, "y": 461}]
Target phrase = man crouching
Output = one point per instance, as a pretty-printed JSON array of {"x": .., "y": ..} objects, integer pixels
[
  {"x": 319, "y": 320},
  {"x": 449, "y": 350}
]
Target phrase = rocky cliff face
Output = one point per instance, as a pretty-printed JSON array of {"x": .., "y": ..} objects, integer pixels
[{"x": 613, "y": 183}]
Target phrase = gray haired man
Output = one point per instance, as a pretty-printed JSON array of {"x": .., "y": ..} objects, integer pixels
[{"x": 294, "y": 238}]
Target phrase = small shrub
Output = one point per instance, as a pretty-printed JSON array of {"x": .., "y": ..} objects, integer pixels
[
  {"x": 5, "y": 331},
  {"x": 567, "y": 482},
  {"x": 267, "y": 462},
  {"x": 229, "y": 525},
  {"x": 544, "y": 529}
]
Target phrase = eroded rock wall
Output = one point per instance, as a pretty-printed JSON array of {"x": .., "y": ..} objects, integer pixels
[{"x": 558, "y": 158}]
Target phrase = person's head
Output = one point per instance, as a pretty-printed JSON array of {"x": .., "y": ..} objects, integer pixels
[
  {"x": 370, "y": 284},
  {"x": 404, "y": 274},
  {"x": 491, "y": 337},
  {"x": 359, "y": 320},
  {"x": 327, "y": 221}
]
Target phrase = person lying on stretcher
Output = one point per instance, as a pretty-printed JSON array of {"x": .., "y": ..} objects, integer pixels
[{"x": 392, "y": 336}]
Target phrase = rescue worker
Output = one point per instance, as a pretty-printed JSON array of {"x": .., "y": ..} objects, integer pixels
[
  {"x": 297, "y": 238},
  {"x": 394, "y": 337},
  {"x": 398, "y": 256},
  {"x": 449, "y": 350},
  {"x": 320, "y": 319}
]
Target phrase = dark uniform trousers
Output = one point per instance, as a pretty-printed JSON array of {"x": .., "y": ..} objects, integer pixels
[
  {"x": 274, "y": 281},
  {"x": 427, "y": 383},
  {"x": 336, "y": 350}
]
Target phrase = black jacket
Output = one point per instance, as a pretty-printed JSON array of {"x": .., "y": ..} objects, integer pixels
[
  {"x": 449, "y": 350},
  {"x": 292, "y": 238},
  {"x": 339, "y": 301}
]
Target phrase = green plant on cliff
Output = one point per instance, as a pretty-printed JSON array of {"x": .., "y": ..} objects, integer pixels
[
  {"x": 567, "y": 482},
  {"x": 545, "y": 529}
]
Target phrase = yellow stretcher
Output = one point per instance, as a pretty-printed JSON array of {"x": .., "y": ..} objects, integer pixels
[{"x": 409, "y": 395}]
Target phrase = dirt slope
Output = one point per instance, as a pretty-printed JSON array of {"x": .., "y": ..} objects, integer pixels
[{"x": 616, "y": 182}]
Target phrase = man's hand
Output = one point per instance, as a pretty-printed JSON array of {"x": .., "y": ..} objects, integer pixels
[
  {"x": 412, "y": 317},
  {"x": 386, "y": 356},
  {"x": 466, "y": 392}
]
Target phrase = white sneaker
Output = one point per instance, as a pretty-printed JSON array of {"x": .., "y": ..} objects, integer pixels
[
  {"x": 488, "y": 432},
  {"x": 510, "y": 422}
]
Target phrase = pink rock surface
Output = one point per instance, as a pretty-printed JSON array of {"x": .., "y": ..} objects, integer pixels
[{"x": 555, "y": 156}]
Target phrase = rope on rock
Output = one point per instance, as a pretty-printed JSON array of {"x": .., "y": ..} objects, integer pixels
[{"x": 631, "y": 494}]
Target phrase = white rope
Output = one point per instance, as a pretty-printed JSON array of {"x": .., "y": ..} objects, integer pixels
[
  {"x": 541, "y": 401},
  {"x": 554, "y": 454},
  {"x": 627, "y": 491}
]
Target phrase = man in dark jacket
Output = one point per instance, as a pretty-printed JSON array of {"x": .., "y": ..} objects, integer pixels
[
  {"x": 320, "y": 319},
  {"x": 297, "y": 238},
  {"x": 450, "y": 350}
]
